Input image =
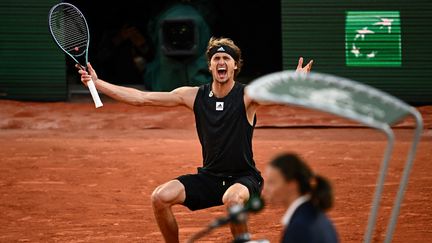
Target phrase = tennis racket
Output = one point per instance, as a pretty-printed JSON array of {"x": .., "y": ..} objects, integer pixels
[{"x": 70, "y": 32}]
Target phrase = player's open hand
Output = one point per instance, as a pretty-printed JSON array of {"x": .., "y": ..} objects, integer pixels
[
  {"x": 305, "y": 69},
  {"x": 87, "y": 76}
]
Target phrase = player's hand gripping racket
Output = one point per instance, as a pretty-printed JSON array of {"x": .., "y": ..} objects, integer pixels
[{"x": 69, "y": 29}]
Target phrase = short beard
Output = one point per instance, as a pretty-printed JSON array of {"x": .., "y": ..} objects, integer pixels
[{"x": 221, "y": 82}]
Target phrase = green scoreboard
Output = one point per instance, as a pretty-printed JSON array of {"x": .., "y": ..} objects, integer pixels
[
  {"x": 386, "y": 44},
  {"x": 373, "y": 39}
]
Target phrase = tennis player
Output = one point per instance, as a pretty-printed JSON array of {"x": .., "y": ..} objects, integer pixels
[
  {"x": 291, "y": 183},
  {"x": 225, "y": 120}
]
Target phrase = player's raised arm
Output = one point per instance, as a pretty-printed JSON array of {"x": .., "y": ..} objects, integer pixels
[
  {"x": 305, "y": 69},
  {"x": 299, "y": 69},
  {"x": 180, "y": 96}
]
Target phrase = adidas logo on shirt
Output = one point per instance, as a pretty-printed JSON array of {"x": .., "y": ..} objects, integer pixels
[{"x": 219, "y": 106}]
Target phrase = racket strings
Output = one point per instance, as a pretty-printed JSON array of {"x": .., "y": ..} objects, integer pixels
[
  {"x": 69, "y": 34},
  {"x": 69, "y": 29},
  {"x": 70, "y": 39}
]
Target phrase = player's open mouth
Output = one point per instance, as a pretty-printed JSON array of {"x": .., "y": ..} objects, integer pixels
[{"x": 222, "y": 72}]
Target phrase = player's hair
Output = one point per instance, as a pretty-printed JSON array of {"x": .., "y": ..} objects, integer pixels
[
  {"x": 213, "y": 42},
  {"x": 293, "y": 167}
]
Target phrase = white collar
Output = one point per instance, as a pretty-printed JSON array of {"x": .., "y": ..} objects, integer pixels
[{"x": 293, "y": 207}]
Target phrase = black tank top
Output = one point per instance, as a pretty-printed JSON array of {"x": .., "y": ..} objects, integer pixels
[{"x": 224, "y": 132}]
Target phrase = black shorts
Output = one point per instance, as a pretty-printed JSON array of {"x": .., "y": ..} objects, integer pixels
[{"x": 205, "y": 190}]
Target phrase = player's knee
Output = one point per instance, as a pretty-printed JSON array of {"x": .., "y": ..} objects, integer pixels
[
  {"x": 233, "y": 199},
  {"x": 160, "y": 197},
  {"x": 163, "y": 197}
]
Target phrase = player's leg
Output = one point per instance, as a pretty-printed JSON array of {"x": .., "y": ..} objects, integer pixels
[
  {"x": 236, "y": 194},
  {"x": 163, "y": 198}
]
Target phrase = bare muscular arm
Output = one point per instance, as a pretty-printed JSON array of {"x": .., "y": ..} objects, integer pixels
[
  {"x": 181, "y": 96},
  {"x": 252, "y": 105}
]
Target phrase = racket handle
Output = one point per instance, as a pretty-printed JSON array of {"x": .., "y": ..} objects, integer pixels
[{"x": 91, "y": 86}]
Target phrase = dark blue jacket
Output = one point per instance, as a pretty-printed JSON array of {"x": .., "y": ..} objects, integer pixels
[{"x": 309, "y": 225}]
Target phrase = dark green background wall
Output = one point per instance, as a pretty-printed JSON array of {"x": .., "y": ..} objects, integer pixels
[
  {"x": 31, "y": 66},
  {"x": 316, "y": 29}
]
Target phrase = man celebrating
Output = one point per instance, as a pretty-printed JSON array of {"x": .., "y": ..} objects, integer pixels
[{"x": 225, "y": 120}]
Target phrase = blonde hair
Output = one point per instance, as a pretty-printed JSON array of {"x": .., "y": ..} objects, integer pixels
[{"x": 213, "y": 42}]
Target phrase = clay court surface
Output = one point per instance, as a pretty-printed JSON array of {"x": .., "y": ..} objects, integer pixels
[{"x": 71, "y": 173}]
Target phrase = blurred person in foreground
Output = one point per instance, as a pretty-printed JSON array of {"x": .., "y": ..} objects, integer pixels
[{"x": 307, "y": 196}]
